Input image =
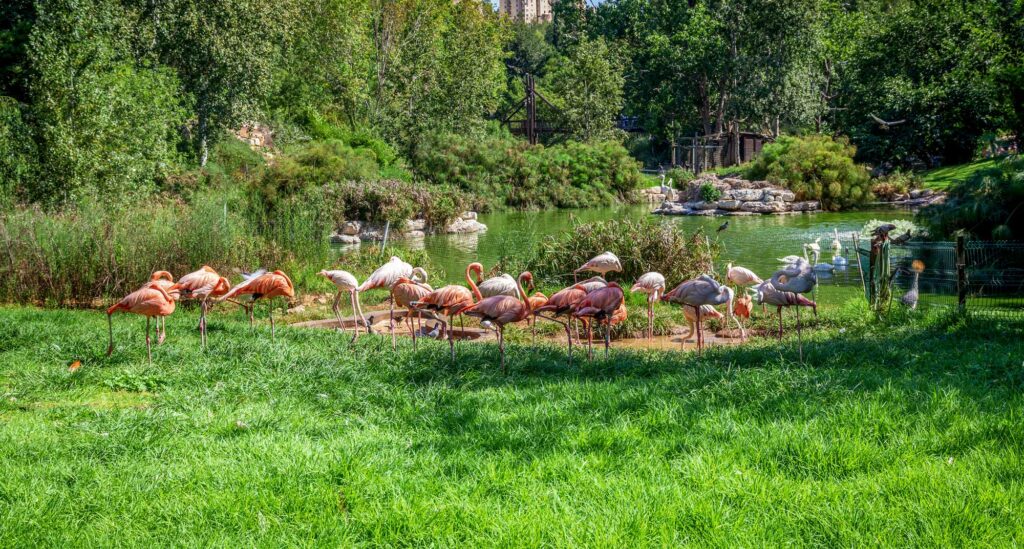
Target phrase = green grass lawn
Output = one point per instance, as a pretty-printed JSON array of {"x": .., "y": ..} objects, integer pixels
[
  {"x": 942, "y": 178},
  {"x": 906, "y": 432}
]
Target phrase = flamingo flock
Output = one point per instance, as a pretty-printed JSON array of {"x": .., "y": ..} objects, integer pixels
[{"x": 495, "y": 302}]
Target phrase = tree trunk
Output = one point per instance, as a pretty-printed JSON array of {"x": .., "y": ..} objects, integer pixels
[{"x": 204, "y": 148}]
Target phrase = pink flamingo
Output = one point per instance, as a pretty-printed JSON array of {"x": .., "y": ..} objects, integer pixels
[
  {"x": 149, "y": 301},
  {"x": 451, "y": 301},
  {"x": 500, "y": 310},
  {"x": 563, "y": 302},
  {"x": 264, "y": 286},
  {"x": 769, "y": 294},
  {"x": 404, "y": 293},
  {"x": 202, "y": 285},
  {"x": 166, "y": 281},
  {"x": 601, "y": 305}
]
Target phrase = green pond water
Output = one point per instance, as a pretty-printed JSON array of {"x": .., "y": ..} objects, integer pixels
[{"x": 752, "y": 241}]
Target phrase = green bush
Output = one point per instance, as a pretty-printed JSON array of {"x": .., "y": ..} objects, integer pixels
[
  {"x": 503, "y": 172},
  {"x": 679, "y": 177},
  {"x": 897, "y": 183},
  {"x": 815, "y": 167},
  {"x": 642, "y": 245},
  {"x": 989, "y": 205},
  {"x": 17, "y": 153},
  {"x": 710, "y": 193}
]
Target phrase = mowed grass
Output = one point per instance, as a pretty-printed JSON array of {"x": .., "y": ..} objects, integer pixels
[
  {"x": 941, "y": 178},
  {"x": 906, "y": 432}
]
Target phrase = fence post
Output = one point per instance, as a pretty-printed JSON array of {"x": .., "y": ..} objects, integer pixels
[{"x": 961, "y": 273}]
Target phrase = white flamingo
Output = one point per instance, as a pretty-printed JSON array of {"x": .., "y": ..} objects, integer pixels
[
  {"x": 702, "y": 290},
  {"x": 384, "y": 278},
  {"x": 652, "y": 284},
  {"x": 798, "y": 278},
  {"x": 345, "y": 282},
  {"x": 601, "y": 264},
  {"x": 502, "y": 284}
]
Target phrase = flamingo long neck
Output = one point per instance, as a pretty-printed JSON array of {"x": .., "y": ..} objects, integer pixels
[
  {"x": 161, "y": 274},
  {"x": 472, "y": 285},
  {"x": 522, "y": 294}
]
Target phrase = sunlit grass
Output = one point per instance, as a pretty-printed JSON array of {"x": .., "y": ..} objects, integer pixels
[
  {"x": 942, "y": 178},
  {"x": 904, "y": 432}
]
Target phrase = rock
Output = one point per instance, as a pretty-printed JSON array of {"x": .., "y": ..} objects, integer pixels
[
  {"x": 764, "y": 207},
  {"x": 706, "y": 206},
  {"x": 297, "y": 309},
  {"x": 916, "y": 193},
  {"x": 807, "y": 206},
  {"x": 469, "y": 216},
  {"x": 460, "y": 226},
  {"x": 927, "y": 192},
  {"x": 414, "y": 225},
  {"x": 737, "y": 183},
  {"x": 729, "y": 205},
  {"x": 746, "y": 195},
  {"x": 351, "y": 228},
  {"x": 344, "y": 239}
]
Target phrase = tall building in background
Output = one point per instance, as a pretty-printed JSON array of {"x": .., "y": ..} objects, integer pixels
[{"x": 530, "y": 11}]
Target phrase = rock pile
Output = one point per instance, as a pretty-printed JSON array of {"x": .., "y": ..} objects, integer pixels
[
  {"x": 354, "y": 232},
  {"x": 918, "y": 198},
  {"x": 737, "y": 197}
]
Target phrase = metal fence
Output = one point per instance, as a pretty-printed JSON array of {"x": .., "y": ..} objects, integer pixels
[
  {"x": 991, "y": 280},
  {"x": 974, "y": 276}
]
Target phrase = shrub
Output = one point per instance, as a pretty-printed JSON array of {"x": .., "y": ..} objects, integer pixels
[
  {"x": 679, "y": 177},
  {"x": 895, "y": 184},
  {"x": 642, "y": 245},
  {"x": 815, "y": 167},
  {"x": 902, "y": 226},
  {"x": 503, "y": 172},
  {"x": 710, "y": 193},
  {"x": 989, "y": 205}
]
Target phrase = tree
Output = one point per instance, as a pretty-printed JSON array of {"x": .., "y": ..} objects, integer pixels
[
  {"x": 223, "y": 52},
  {"x": 587, "y": 83},
  {"x": 104, "y": 123}
]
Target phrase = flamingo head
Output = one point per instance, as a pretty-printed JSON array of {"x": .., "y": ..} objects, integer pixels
[
  {"x": 528, "y": 277},
  {"x": 207, "y": 269},
  {"x": 419, "y": 274},
  {"x": 324, "y": 273},
  {"x": 476, "y": 268}
]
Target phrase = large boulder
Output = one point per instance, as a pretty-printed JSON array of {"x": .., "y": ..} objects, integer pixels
[
  {"x": 729, "y": 205},
  {"x": 745, "y": 195},
  {"x": 764, "y": 207},
  {"x": 351, "y": 228},
  {"x": 461, "y": 226}
]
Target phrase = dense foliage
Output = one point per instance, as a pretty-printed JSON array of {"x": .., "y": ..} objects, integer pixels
[
  {"x": 504, "y": 172},
  {"x": 989, "y": 205},
  {"x": 815, "y": 167}
]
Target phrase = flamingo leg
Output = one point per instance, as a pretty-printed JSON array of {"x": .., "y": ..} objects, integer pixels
[
  {"x": 799, "y": 335},
  {"x": 149, "y": 347},
  {"x": 700, "y": 334},
  {"x": 355, "y": 328},
  {"x": 590, "y": 341},
  {"x": 336, "y": 307},
  {"x": 110, "y": 330},
  {"x": 202, "y": 322},
  {"x": 249, "y": 309},
  {"x": 607, "y": 336},
  {"x": 359, "y": 310},
  {"x": 451, "y": 339},
  {"x": 501, "y": 347},
  {"x": 568, "y": 334},
  {"x": 780, "y": 322},
  {"x": 162, "y": 321},
  {"x": 270, "y": 314},
  {"x": 391, "y": 324}
]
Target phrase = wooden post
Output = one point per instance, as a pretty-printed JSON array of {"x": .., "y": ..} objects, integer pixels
[{"x": 961, "y": 274}]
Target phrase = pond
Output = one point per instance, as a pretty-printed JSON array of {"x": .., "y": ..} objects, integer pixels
[{"x": 752, "y": 241}]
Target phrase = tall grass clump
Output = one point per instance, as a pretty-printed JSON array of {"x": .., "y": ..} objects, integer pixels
[{"x": 642, "y": 245}]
